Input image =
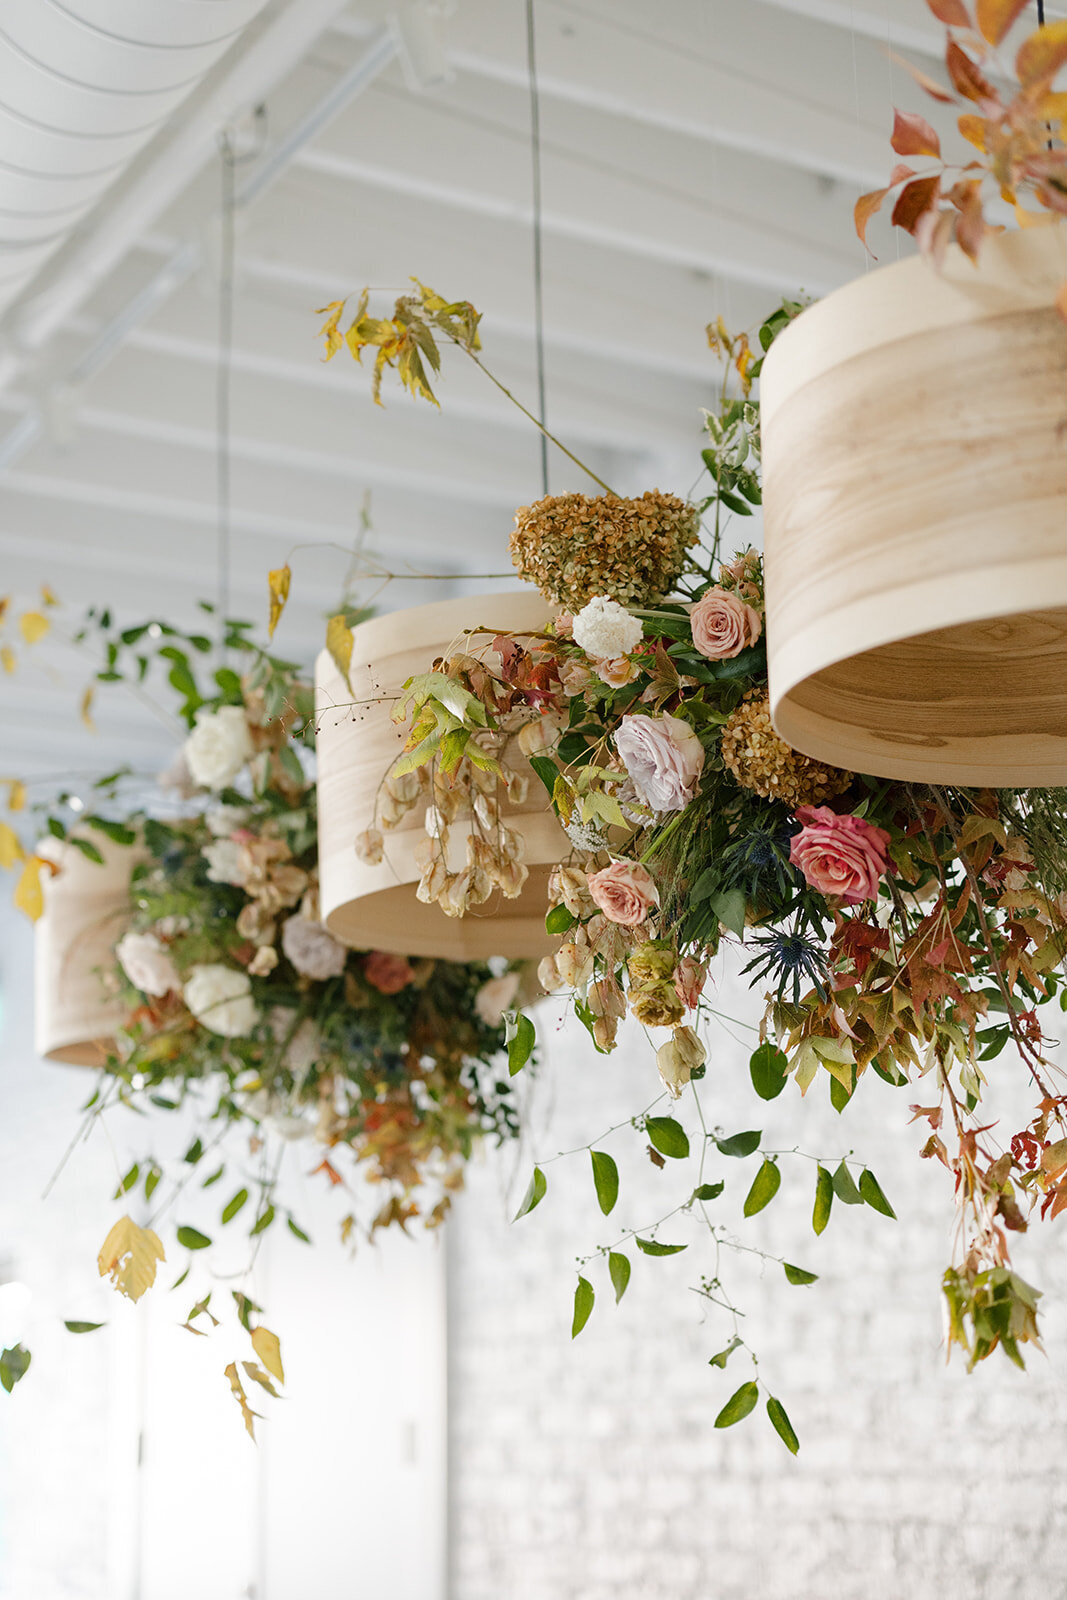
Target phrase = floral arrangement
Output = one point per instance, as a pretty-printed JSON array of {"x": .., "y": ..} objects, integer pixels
[
  {"x": 893, "y": 928},
  {"x": 241, "y": 1006}
]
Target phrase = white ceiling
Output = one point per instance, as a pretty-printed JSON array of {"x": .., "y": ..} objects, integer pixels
[{"x": 699, "y": 158}]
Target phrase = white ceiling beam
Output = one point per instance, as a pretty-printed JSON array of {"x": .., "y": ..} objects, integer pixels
[{"x": 905, "y": 25}]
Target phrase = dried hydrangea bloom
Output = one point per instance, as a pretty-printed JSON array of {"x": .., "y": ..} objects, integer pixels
[
  {"x": 764, "y": 763},
  {"x": 575, "y": 546}
]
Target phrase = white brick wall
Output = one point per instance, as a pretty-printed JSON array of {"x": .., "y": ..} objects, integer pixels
[{"x": 591, "y": 1470}]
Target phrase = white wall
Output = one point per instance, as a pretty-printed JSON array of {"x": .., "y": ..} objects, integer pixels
[
  {"x": 345, "y": 1492},
  {"x": 592, "y": 1470}
]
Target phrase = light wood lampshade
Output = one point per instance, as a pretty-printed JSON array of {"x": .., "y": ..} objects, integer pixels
[
  {"x": 374, "y": 907},
  {"x": 86, "y": 906},
  {"x": 915, "y": 505}
]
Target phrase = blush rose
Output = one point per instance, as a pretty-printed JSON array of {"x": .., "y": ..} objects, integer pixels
[
  {"x": 625, "y": 893},
  {"x": 839, "y": 855},
  {"x": 388, "y": 973},
  {"x": 723, "y": 625},
  {"x": 663, "y": 757}
]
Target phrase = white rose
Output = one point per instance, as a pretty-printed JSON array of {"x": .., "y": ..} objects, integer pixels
[
  {"x": 225, "y": 862},
  {"x": 220, "y": 998},
  {"x": 678, "y": 1059},
  {"x": 663, "y": 757},
  {"x": 312, "y": 949},
  {"x": 224, "y": 820},
  {"x": 218, "y": 747},
  {"x": 605, "y": 630},
  {"x": 146, "y": 963}
]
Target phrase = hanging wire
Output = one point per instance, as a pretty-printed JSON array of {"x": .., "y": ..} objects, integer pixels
[
  {"x": 227, "y": 166},
  {"x": 538, "y": 275}
]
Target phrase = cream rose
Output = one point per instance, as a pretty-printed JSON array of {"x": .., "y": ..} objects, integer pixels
[
  {"x": 678, "y": 1059},
  {"x": 663, "y": 758},
  {"x": 625, "y": 893},
  {"x": 226, "y": 862},
  {"x": 147, "y": 964},
  {"x": 723, "y": 625},
  {"x": 218, "y": 747},
  {"x": 496, "y": 996},
  {"x": 220, "y": 999}
]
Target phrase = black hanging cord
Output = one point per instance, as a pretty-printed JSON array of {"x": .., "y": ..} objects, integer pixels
[
  {"x": 227, "y": 164},
  {"x": 538, "y": 277},
  {"x": 1041, "y": 13}
]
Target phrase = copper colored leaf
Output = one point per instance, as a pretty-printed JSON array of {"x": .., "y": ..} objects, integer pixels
[
  {"x": 995, "y": 17},
  {"x": 966, "y": 76},
  {"x": 278, "y": 583},
  {"x": 914, "y": 199},
  {"x": 1061, "y": 301},
  {"x": 1041, "y": 56},
  {"x": 934, "y": 89},
  {"x": 866, "y": 207},
  {"x": 913, "y": 136},
  {"x": 953, "y": 13}
]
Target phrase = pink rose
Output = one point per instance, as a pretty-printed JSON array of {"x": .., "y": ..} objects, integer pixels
[
  {"x": 723, "y": 625},
  {"x": 617, "y": 672},
  {"x": 690, "y": 976},
  {"x": 564, "y": 625},
  {"x": 387, "y": 973},
  {"x": 625, "y": 893},
  {"x": 663, "y": 758},
  {"x": 842, "y": 856},
  {"x": 574, "y": 677}
]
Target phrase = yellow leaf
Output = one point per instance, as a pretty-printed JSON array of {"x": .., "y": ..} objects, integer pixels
[
  {"x": 257, "y": 1375},
  {"x": 10, "y": 847},
  {"x": 269, "y": 1351},
  {"x": 239, "y": 1395},
  {"x": 29, "y": 896},
  {"x": 128, "y": 1257},
  {"x": 7, "y": 657},
  {"x": 48, "y": 596},
  {"x": 86, "y": 708},
  {"x": 16, "y": 794},
  {"x": 278, "y": 583},
  {"x": 977, "y": 827},
  {"x": 339, "y": 644},
  {"x": 33, "y": 626},
  {"x": 330, "y": 331}
]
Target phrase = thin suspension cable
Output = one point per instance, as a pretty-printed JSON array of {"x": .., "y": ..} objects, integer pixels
[
  {"x": 538, "y": 275},
  {"x": 222, "y": 384}
]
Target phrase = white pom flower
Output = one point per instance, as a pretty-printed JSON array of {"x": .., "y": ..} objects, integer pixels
[
  {"x": 145, "y": 961},
  {"x": 220, "y": 998},
  {"x": 224, "y": 820},
  {"x": 218, "y": 747},
  {"x": 605, "y": 630},
  {"x": 312, "y": 949},
  {"x": 225, "y": 862}
]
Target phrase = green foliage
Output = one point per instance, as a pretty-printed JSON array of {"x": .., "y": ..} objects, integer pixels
[
  {"x": 765, "y": 1186},
  {"x": 619, "y": 1270},
  {"x": 668, "y": 1137},
  {"x": 584, "y": 1299},
  {"x": 798, "y": 1275},
  {"x": 14, "y": 1364},
  {"x": 782, "y": 1425},
  {"x": 871, "y": 1190},
  {"x": 606, "y": 1179},
  {"x": 722, "y": 1356},
  {"x": 845, "y": 1187},
  {"x": 193, "y": 1239},
  {"x": 740, "y": 1405},
  {"x": 824, "y": 1199},
  {"x": 769, "y": 1068},
  {"x": 534, "y": 1194},
  {"x": 652, "y": 1247},
  {"x": 520, "y": 1043},
  {"x": 739, "y": 1144}
]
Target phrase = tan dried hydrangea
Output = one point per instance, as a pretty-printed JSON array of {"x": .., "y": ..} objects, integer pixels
[
  {"x": 575, "y": 546},
  {"x": 763, "y": 762}
]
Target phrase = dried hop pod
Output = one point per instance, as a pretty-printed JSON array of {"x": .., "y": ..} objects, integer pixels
[
  {"x": 575, "y": 546},
  {"x": 763, "y": 762}
]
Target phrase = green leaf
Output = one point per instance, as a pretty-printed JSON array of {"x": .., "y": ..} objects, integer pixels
[
  {"x": 584, "y": 1299},
  {"x": 708, "y": 1191},
  {"x": 765, "y": 1186},
  {"x": 117, "y": 832},
  {"x": 534, "y": 1194},
  {"x": 520, "y": 1047},
  {"x": 740, "y": 1403},
  {"x": 824, "y": 1199},
  {"x": 560, "y": 920},
  {"x": 871, "y": 1190},
  {"x": 652, "y": 1247},
  {"x": 193, "y": 1239},
  {"x": 91, "y": 853},
  {"x": 740, "y": 1144},
  {"x": 546, "y": 770},
  {"x": 606, "y": 1179},
  {"x": 194, "y": 1152},
  {"x": 262, "y": 1222},
  {"x": 782, "y": 1425},
  {"x": 214, "y": 1178},
  {"x": 235, "y": 1205},
  {"x": 14, "y": 1364},
  {"x": 83, "y": 1327},
  {"x": 619, "y": 1268},
  {"x": 297, "y": 1231},
  {"x": 668, "y": 1137},
  {"x": 128, "y": 1181},
  {"x": 151, "y": 1182},
  {"x": 798, "y": 1274},
  {"x": 845, "y": 1187},
  {"x": 723, "y": 1356},
  {"x": 769, "y": 1067},
  {"x": 730, "y": 905}
]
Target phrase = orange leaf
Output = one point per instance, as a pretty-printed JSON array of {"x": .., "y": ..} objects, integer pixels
[
  {"x": 967, "y": 79},
  {"x": 915, "y": 198},
  {"x": 330, "y": 1171},
  {"x": 1061, "y": 301},
  {"x": 1041, "y": 56},
  {"x": 866, "y": 206},
  {"x": 951, "y": 12},
  {"x": 932, "y": 87},
  {"x": 995, "y": 17},
  {"x": 913, "y": 136},
  {"x": 973, "y": 129}
]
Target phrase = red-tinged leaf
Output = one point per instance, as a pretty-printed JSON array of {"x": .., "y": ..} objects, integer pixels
[
  {"x": 995, "y": 17},
  {"x": 329, "y": 1171},
  {"x": 866, "y": 206},
  {"x": 934, "y": 233},
  {"x": 1041, "y": 56},
  {"x": 913, "y": 136},
  {"x": 914, "y": 199},
  {"x": 935, "y": 90},
  {"x": 1061, "y": 301},
  {"x": 971, "y": 224},
  {"x": 953, "y": 13},
  {"x": 899, "y": 173},
  {"x": 1059, "y": 1203},
  {"x": 966, "y": 76}
]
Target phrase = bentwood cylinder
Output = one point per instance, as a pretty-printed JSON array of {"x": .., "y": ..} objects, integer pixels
[{"x": 86, "y": 910}]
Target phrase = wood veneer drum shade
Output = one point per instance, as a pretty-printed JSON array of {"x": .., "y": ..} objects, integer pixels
[
  {"x": 374, "y": 907},
  {"x": 915, "y": 504},
  {"x": 86, "y": 907}
]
